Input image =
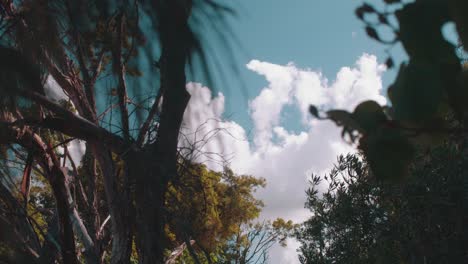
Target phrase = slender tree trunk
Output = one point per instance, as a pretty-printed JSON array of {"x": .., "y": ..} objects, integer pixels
[
  {"x": 50, "y": 247},
  {"x": 92, "y": 211},
  {"x": 161, "y": 157},
  {"x": 119, "y": 208},
  {"x": 192, "y": 252},
  {"x": 58, "y": 182},
  {"x": 149, "y": 198}
]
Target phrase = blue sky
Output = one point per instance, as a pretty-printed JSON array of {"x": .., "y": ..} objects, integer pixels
[{"x": 323, "y": 35}]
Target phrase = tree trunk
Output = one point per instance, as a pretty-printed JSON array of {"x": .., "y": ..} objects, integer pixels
[
  {"x": 160, "y": 158},
  {"x": 67, "y": 238},
  {"x": 119, "y": 208},
  {"x": 50, "y": 247}
]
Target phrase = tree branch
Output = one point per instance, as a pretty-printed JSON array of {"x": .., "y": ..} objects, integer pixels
[
  {"x": 76, "y": 126},
  {"x": 119, "y": 69},
  {"x": 88, "y": 81},
  {"x": 146, "y": 125}
]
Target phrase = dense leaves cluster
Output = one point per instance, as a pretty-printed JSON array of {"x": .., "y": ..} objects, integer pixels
[
  {"x": 209, "y": 207},
  {"x": 359, "y": 219}
]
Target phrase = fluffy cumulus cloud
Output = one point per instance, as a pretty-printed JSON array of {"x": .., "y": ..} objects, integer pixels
[{"x": 284, "y": 158}]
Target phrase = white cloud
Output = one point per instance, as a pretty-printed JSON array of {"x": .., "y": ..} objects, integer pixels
[
  {"x": 269, "y": 103},
  {"x": 353, "y": 85},
  {"x": 77, "y": 149},
  {"x": 286, "y": 164},
  {"x": 288, "y": 161},
  {"x": 215, "y": 141},
  {"x": 53, "y": 90}
]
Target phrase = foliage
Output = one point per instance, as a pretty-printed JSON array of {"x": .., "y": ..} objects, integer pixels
[
  {"x": 208, "y": 206},
  {"x": 430, "y": 87},
  {"x": 359, "y": 219}
]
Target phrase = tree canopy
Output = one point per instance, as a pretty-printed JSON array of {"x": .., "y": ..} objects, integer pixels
[{"x": 359, "y": 219}]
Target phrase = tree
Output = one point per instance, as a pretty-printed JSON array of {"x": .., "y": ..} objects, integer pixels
[
  {"x": 77, "y": 43},
  {"x": 428, "y": 88},
  {"x": 359, "y": 219},
  {"x": 209, "y": 207}
]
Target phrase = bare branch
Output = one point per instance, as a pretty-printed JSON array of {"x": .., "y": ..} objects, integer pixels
[
  {"x": 119, "y": 69},
  {"x": 101, "y": 229},
  {"x": 88, "y": 81},
  {"x": 76, "y": 126},
  {"x": 153, "y": 112}
]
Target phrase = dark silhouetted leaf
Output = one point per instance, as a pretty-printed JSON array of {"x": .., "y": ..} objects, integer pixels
[
  {"x": 383, "y": 19},
  {"x": 313, "y": 111},
  {"x": 365, "y": 8},
  {"x": 369, "y": 115},
  {"x": 342, "y": 118},
  {"x": 371, "y": 32},
  {"x": 389, "y": 63}
]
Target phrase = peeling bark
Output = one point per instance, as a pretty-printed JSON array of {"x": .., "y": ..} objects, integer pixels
[{"x": 119, "y": 208}]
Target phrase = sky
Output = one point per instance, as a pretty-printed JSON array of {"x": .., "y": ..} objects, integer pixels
[{"x": 291, "y": 54}]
